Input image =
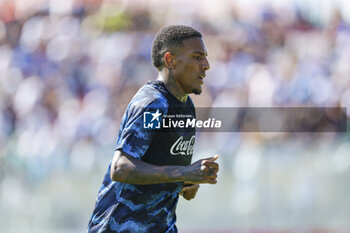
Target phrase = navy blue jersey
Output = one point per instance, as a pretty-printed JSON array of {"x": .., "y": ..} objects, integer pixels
[{"x": 122, "y": 207}]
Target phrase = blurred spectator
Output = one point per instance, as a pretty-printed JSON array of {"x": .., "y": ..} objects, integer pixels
[{"x": 70, "y": 67}]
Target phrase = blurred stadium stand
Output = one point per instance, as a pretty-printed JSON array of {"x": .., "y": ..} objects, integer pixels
[{"x": 69, "y": 68}]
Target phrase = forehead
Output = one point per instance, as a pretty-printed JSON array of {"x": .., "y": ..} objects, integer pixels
[{"x": 194, "y": 45}]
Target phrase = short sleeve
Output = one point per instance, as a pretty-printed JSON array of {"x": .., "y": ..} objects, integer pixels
[{"x": 134, "y": 139}]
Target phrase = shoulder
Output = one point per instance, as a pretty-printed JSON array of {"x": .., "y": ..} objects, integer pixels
[{"x": 148, "y": 97}]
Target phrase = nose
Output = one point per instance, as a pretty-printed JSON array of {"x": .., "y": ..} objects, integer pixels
[{"x": 206, "y": 65}]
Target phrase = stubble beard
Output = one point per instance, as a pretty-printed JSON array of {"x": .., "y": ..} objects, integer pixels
[{"x": 197, "y": 91}]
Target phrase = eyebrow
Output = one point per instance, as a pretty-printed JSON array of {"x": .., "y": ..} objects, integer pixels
[{"x": 201, "y": 53}]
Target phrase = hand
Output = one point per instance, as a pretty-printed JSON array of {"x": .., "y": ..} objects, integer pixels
[
  {"x": 189, "y": 191},
  {"x": 202, "y": 171}
]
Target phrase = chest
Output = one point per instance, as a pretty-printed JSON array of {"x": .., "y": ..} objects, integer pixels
[{"x": 174, "y": 143}]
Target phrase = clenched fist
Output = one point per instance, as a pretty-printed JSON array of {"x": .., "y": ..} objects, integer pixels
[
  {"x": 189, "y": 190},
  {"x": 202, "y": 171}
]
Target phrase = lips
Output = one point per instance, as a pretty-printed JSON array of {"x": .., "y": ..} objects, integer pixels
[{"x": 201, "y": 77}]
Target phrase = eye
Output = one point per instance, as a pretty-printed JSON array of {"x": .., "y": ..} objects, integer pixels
[{"x": 196, "y": 57}]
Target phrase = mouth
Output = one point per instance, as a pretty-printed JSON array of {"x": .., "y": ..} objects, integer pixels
[{"x": 201, "y": 77}]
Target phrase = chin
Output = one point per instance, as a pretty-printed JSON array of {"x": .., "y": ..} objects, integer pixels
[{"x": 197, "y": 91}]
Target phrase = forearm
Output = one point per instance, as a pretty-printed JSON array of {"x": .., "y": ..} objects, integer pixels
[{"x": 133, "y": 171}]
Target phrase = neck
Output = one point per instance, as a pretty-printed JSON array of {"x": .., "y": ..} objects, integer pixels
[{"x": 172, "y": 86}]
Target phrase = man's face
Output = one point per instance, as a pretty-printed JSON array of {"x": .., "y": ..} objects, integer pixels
[{"x": 191, "y": 64}]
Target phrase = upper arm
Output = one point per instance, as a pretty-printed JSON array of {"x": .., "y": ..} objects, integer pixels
[
  {"x": 120, "y": 156},
  {"x": 120, "y": 161}
]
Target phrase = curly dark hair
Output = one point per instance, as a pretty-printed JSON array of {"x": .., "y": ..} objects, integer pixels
[{"x": 169, "y": 36}]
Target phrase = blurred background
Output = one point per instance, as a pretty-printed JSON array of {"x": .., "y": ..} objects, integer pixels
[{"x": 69, "y": 68}]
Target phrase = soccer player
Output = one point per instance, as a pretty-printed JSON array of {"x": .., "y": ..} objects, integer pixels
[{"x": 152, "y": 167}]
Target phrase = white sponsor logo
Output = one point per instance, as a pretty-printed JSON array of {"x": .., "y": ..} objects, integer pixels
[{"x": 183, "y": 147}]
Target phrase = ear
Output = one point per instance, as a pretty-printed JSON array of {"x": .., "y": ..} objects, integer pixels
[{"x": 169, "y": 60}]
